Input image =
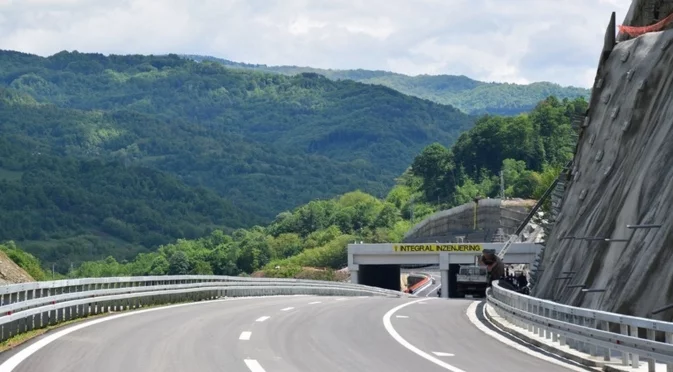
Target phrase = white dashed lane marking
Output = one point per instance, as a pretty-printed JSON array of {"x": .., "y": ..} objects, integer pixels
[
  {"x": 287, "y": 309},
  {"x": 245, "y": 336},
  {"x": 401, "y": 316},
  {"x": 254, "y": 365},
  {"x": 261, "y": 319},
  {"x": 442, "y": 354},
  {"x": 314, "y": 302}
]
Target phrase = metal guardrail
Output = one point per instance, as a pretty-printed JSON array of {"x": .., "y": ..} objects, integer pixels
[
  {"x": 28, "y": 306},
  {"x": 592, "y": 331}
]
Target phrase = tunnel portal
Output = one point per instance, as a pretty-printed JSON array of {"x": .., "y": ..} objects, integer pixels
[{"x": 382, "y": 276}]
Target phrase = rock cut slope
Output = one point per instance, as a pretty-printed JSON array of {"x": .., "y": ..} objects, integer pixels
[{"x": 622, "y": 175}]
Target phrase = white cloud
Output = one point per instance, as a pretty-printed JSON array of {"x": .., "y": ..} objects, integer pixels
[{"x": 493, "y": 40}]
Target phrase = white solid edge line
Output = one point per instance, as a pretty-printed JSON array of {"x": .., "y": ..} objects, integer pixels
[
  {"x": 389, "y": 327},
  {"x": 263, "y": 318},
  {"x": 16, "y": 359},
  {"x": 472, "y": 315},
  {"x": 253, "y": 365},
  {"x": 245, "y": 336},
  {"x": 285, "y": 309}
]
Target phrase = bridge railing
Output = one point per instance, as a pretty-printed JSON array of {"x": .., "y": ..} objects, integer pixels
[
  {"x": 28, "y": 306},
  {"x": 595, "y": 332}
]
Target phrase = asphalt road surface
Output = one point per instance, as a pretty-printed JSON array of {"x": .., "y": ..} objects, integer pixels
[
  {"x": 298, "y": 333},
  {"x": 431, "y": 290}
]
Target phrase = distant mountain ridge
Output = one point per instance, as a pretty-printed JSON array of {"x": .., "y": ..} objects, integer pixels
[
  {"x": 119, "y": 154},
  {"x": 469, "y": 95}
]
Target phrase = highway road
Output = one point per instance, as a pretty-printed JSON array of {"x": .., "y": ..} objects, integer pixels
[{"x": 273, "y": 334}]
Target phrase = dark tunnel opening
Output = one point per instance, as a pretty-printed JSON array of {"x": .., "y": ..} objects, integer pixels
[{"x": 382, "y": 276}]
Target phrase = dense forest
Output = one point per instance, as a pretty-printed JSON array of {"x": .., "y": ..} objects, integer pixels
[
  {"x": 470, "y": 96},
  {"x": 117, "y": 155},
  {"x": 267, "y": 142},
  {"x": 65, "y": 209},
  {"x": 310, "y": 241}
]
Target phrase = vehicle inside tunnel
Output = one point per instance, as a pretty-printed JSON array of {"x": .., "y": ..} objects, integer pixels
[{"x": 382, "y": 276}]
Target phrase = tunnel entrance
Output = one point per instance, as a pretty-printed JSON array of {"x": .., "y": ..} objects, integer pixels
[{"x": 382, "y": 276}]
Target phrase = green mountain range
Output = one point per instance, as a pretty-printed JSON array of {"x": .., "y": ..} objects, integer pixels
[
  {"x": 118, "y": 154},
  {"x": 470, "y": 96}
]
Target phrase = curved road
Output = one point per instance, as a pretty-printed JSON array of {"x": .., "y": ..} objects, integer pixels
[
  {"x": 297, "y": 333},
  {"x": 431, "y": 290}
]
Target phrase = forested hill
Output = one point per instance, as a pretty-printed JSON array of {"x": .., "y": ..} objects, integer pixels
[
  {"x": 112, "y": 132},
  {"x": 471, "y": 96},
  {"x": 310, "y": 241}
]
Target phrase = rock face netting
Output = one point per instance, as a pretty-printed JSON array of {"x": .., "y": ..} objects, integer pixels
[{"x": 622, "y": 174}]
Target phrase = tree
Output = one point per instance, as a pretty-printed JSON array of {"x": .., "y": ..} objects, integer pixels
[
  {"x": 435, "y": 166},
  {"x": 178, "y": 264}
]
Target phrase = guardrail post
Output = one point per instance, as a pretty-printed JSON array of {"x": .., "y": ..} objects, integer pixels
[
  {"x": 79, "y": 309},
  {"x": 21, "y": 325},
  {"x": 548, "y": 333},
  {"x": 113, "y": 305},
  {"x": 521, "y": 305},
  {"x": 568, "y": 318},
  {"x": 13, "y": 328},
  {"x": 626, "y": 357},
  {"x": 576, "y": 344},
  {"x": 651, "y": 362},
  {"x": 593, "y": 349},
  {"x": 606, "y": 351},
  {"x": 561, "y": 338},
  {"x": 44, "y": 319},
  {"x": 554, "y": 335},
  {"x": 30, "y": 324},
  {"x": 669, "y": 340},
  {"x": 635, "y": 358},
  {"x": 582, "y": 346}
]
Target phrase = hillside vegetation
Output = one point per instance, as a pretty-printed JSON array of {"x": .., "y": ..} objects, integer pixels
[
  {"x": 87, "y": 208},
  {"x": 470, "y": 96},
  {"x": 117, "y": 155},
  {"x": 310, "y": 241},
  {"x": 529, "y": 149}
]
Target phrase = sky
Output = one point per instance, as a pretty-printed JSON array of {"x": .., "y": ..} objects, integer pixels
[{"x": 516, "y": 41}]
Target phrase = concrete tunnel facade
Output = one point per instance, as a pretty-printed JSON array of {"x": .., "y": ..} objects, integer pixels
[
  {"x": 379, "y": 265},
  {"x": 472, "y": 222}
]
